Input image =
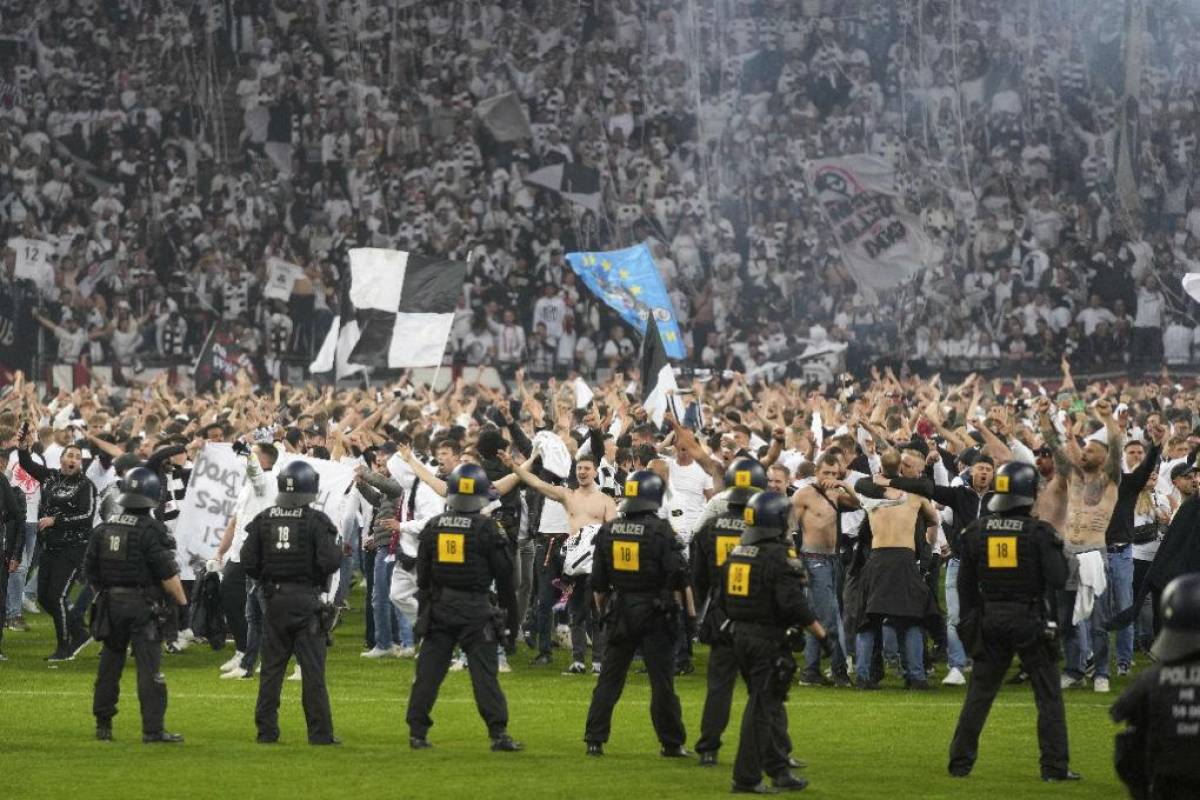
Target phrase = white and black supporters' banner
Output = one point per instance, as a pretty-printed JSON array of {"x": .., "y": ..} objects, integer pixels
[
  {"x": 578, "y": 183},
  {"x": 397, "y": 313},
  {"x": 882, "y": 244}
]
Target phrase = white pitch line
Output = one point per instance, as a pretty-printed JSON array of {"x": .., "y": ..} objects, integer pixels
[{"x": 532, "y": 698}]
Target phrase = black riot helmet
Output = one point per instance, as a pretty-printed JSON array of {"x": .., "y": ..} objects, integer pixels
[
  {"x": 644, "y": 491},
  {"x": 766, "y": 517},
  {"x": 298, "y": 485},
  {"x": 1180, "y": 610},
  {"x": 744, "y": 478},
  {"x": 140, "y": 488},
  {"x": 467, "y": 488},
  {"x": 1014, "y": 486}
]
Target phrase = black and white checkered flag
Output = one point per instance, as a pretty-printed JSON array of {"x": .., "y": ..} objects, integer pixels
[{"x": 397, "y": 313}]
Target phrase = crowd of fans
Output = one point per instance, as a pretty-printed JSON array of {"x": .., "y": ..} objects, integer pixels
[
  {"x": 167, "y": 155},
  {"x": 403, "y": 443}
]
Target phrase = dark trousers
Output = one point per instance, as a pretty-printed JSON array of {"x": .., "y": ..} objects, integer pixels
[
  {"x": 544, "y": 568},
  {"x": 131, "y": 625},
  {"x": 1007, "y": 631},
  {"x": 760, "y": 748},
  {"x": 580, "y": 610},
  {"x": 292, "y": 627},
  {"x": 58, "y": 572},
  {"x": 657, "y": 643},
  {"x": 367, "y": 564},
  {"x": 1146, "y": 346},
  {"x": 722, "y": 675},
  {"x": 233, "y": 602},
  {"x": 1140, "y": 569},
  {"x": 3, "y": 599},
  {"x": 436, "y": 651}
]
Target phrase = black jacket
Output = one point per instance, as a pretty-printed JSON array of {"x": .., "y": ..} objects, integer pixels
[
  {"x": 69, "y": 499},
  {"x": 12, "y": 522},
  {"x": 1120, "y": 525}
]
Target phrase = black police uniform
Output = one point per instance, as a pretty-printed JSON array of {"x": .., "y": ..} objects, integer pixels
[
  {"x": 712, "y": 545},
  {"x": 639, "y": 563},
  {"x": 1010, "y": 565},
  {"x": 1162, "y": 708},
  {"x": 762, "y": 592},
  {"x": 459, "y": 556},
  {"x": 291, "y": 552},
  {"x": 127, "y": 559},
  {"x": 1157, "y": 755}
]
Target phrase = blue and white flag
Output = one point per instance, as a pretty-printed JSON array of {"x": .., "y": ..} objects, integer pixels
[{"x": 628, "y": 281}]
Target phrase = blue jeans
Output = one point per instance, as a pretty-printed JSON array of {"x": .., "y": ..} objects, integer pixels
[
  {"x": 547, "y": 595},
  {"x": 17, "y": 580},
  {"x": 824, "y": 576},
  {"x": 1120, "y": 592},
  {"x": 1091, "y": 635},
  {"x": 381, "y": 606},
  {"x": 956, "y": 656},
  {"x": 348, "y": 562},
  {"x": 914, "y": 652},
  {"x": 256, "y": 610}
]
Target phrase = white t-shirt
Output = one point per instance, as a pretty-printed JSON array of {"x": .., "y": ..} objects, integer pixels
[
  {"x": 685, "y": 496},
  {"x": 550, "y": 311},
  {"x": 25, "y": 482}
]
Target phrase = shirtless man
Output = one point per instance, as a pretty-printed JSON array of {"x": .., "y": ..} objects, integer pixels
[
  {"x": 817, "y": 507},
  {"x": 587, "y": 509},
  {"x": 1091, "y": 475},
  {"x": 891, "y": 582}
]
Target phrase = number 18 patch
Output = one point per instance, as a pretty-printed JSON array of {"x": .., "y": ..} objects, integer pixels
[
  {"x": 738, "y": 583},
  {"x": 1002, "y": 552}
]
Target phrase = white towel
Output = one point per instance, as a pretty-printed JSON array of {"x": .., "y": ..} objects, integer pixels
[
  {"x": 555, "y": 455},
  {"x": 1092, "y": 584}
]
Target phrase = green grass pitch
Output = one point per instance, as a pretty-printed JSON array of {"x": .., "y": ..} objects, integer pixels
[{"x": 858, "y": 745}]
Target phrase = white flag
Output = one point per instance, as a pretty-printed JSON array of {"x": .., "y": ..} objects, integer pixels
[
  {"x": 583, "y": 393},
  {"x": 882, "y": 244}
]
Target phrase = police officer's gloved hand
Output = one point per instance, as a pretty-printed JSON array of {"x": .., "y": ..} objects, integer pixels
[{"x": 827, "y": 646}]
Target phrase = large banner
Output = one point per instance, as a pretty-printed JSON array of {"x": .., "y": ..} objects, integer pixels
[
  {"x": 218, "y": 477},
  {"x": 336, "y": 478},
  {"x": 882, "y": 244}
]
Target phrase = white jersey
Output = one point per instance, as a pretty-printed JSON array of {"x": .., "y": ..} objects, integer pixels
[
  {"x": 686, "y": 496},
  {"x": 26, "y": 483},
  {"x": 851, "y": 521}
]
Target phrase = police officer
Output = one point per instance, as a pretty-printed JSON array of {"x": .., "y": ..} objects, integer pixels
[
  {"x": 638, "y": 565},
  {"x": 711, "y": 546},
  {"x": 291, "y": 550},
  {"x": 1156, "y": 756},
  {"x": 130, "y": 561},
  {"x": 762, "y": 592},
  {"x": 460, "y": 555},
  {"x": 1011, "y": 564}
]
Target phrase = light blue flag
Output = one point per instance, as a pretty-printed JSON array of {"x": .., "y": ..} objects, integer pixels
[{"x": 628, "y": 281}]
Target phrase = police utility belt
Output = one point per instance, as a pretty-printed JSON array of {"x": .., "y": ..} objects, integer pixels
[
  {"x": 129, "y": 591},
  {"x": 288, "y": 586},
  {"x": 1017, "y": 599},
  {"x": 758, "y": 630}
]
